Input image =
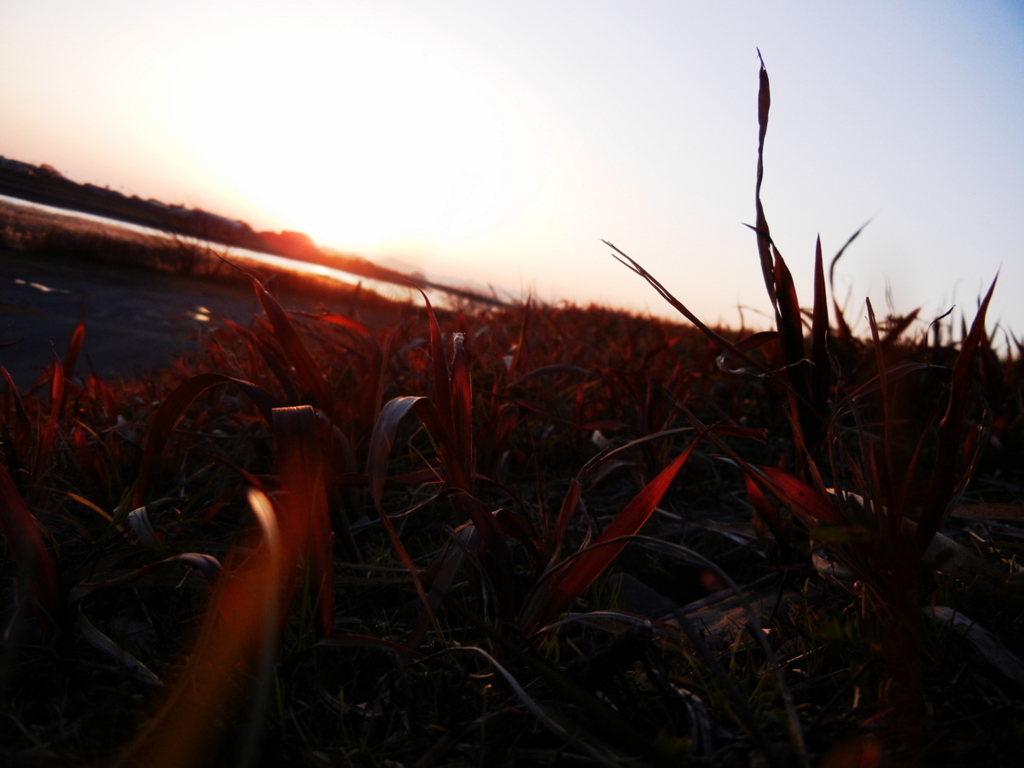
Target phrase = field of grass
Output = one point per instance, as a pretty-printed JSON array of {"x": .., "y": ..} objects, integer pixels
[{"x": 523, "y": 536}]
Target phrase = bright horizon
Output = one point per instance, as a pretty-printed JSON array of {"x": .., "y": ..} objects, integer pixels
[{"x": 500, "y": 143}]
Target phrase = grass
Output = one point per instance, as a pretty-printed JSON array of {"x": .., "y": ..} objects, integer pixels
[
  {"x": 28, "y": 229},
  {"x": 528, "y": 535}
]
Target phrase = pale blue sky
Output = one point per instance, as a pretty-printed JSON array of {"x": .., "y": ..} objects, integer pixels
[{"x": 501, "y": 141}]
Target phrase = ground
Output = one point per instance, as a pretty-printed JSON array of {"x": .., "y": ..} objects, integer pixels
[{"x": 137, "y": 319}]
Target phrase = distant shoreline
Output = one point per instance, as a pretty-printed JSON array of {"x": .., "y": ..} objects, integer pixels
[{"x": 45, "y": 185}]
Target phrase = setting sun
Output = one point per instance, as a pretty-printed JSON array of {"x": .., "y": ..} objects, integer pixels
[{"x": 356, "y": 138}]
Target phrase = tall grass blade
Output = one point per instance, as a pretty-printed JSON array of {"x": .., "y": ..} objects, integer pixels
[
  {"x": 803, "y": 500},
  {"x": 342, "y": 321},
  {"x": 74, "y": 347},
  {"x": 264, "y": 511},
  {"x": 897, "y": 326},
  {"x": 886, "y": 445},
  {"x": 945, "y": 476},
  {"x": 570, "y": 502},
  {"x": 382, "y": 439},
  {"x": 820, "y": 363},
  {"x": 443, "y": 437},
  {"x": 790, "y": 324},
  {"x": 764, "y": 238},
  {"x": 764, "y": 513},
  {"x": 798, "y": 496},
  {"x": 173, "y": 409},
  {"x": 633, "y": 265},
  {"x": 22, "y": 424},
  {"x": 561, "y": 590},
  {"x": 376, "y": 469},
  {"x": 271, "y": 357},
  {"x": 49, "y": 431},
  {"x": 36, "y": 566},
  {"x": 237, "y": 639},
  {"x": 839, "y": 253},
  {"x": 105, "y": 645},
  {"x": 305, "y": 526},
  {"x": 442, "y": 397},
  {"x": 499, "y": 558},
  {"x": 462, "y": 408},
  {"x": 295, "y": 351}
]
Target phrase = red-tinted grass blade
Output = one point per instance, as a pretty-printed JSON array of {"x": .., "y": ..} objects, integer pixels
[
  {"x": 764, "y": 238},
  {"x": 12, "y": 454},
  {"x": 594, "y": 467},
  {"x": 843, "y": 331},
  {"x": 376, "y": 469},
  {"x": 22, "y": 423},
  {"x": 945, "y": 477},
  {"x": 556, "y": 594},
  {"x": 790, "y": 323},
  {"x": 806, "y": 502},
  {"x": 443, "y": 570},
  {"x": 839, "y": 253},
  {"x": 517, "y": 527},
  {"x": 270, "y": 356},
  {"x": 462, "y": 408},
  {"x": 764, "y": 513},
  {"x": 294, "y": 350},
  {"x": 442, "y": 378},
  {"x": 381, "y": 441},
  {"x": 235, "y": 642},
  {"x": 791, "y": 332},
  {"x": 30, "y": 554},
  {"x": 897, "y": 326},
  {"x": 49, "y": 432},
  {"x": 102, "y": 393},
  {"x": 886, "y": 447},
  {"x": 820, "y": 369},
  {"x": 171, "y": 411},
  {"x": 89, "y": 458},
  {"x": 499, "y": 559},
  {"x": 723, "y": 342},
  {"x": 755, "y": 340},
  {"x": 342, "y": 321},
  {"x": 305, "y": 525},
  {"x": 444, "y": 441},
  {"x": 521, "y": 353},
  {"x": 553, "y": 546},
  {"x": 74, "y": 347},
  {"x": 727, "y": 362}
]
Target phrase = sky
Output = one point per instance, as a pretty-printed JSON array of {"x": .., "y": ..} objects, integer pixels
[{"x": 500, "y": 142}]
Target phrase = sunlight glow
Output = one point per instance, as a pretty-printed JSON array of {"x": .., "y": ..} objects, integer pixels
[
  {"x": 499, "y": 142},
  {"x": 355, "y": 138}
]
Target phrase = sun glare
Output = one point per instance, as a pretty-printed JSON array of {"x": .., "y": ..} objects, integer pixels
[{"x": 354, "y": 138}]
